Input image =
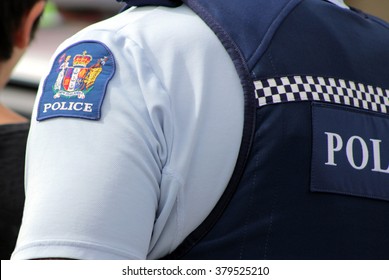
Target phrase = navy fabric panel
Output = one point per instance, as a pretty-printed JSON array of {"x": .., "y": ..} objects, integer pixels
[
  {"x": 350, "y": 152},
  {"x": 167, "y": 3},
  {"x": 280, "y": 217},
  {"x": 250, "y": 23},
  {"x": 309, "y": 43}
]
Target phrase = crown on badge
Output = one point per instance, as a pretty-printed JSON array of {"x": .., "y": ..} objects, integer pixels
[{"x": 82, "y": 60}]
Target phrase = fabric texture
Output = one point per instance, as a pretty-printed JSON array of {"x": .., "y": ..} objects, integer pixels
[
  {"x": 174, "y": 100},
  {"x": 13, "y": 140}
]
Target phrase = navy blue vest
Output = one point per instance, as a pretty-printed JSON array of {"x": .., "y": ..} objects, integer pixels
[{"x": 312, "y": 177}]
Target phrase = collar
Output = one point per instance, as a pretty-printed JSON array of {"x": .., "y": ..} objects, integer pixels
[
  {"x": 166, "y": 3},
  {"x": 339, "y": 3},
  {"x": 175, "y": 3}
]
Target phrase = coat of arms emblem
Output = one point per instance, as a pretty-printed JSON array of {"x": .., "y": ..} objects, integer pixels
[{"x": 75, "y": 77}]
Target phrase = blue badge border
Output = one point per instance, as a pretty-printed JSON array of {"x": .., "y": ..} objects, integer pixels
[{"x": 98, "y": 117}]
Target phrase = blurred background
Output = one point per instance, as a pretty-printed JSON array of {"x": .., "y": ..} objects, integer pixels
[
  {"x": 379, "y": 8},
  {"x": 63, "y": 18}
]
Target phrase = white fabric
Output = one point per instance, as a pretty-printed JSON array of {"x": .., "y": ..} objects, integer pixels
[
  {"x": 340, "y": 3},
  {"x": 135, "y": 183}
]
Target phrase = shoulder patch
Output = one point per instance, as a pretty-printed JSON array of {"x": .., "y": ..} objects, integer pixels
[{"x": 77, "y": 82}]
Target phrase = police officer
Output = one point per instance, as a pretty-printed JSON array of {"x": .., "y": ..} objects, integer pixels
[{"x": 212, "y": 130}]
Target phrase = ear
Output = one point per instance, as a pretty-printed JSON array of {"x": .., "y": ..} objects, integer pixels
[{"x": 23, "y": 34}]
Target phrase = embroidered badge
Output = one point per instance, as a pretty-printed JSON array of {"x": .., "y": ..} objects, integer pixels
[{"x": 77, "y": 83}]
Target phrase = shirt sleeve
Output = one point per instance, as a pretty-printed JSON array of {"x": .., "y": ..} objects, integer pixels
[
  {"x": 93, "y": 186},
  {"x": 134, "y": 183}
]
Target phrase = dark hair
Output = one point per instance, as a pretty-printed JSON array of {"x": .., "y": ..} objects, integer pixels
[{"x": 11, "y": 15}]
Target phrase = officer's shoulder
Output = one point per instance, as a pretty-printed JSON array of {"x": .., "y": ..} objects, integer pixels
[{"x": 151, "y": 23}]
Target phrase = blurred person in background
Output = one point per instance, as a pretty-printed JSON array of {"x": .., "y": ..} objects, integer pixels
[
  {"x": 18, "y": 23},
  {"x": 213, "y": 129}
]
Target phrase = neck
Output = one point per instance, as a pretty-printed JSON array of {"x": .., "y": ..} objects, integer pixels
[{"x": 8, "y": 116}]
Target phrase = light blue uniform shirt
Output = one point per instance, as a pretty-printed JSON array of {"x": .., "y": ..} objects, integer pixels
[{"x": 135, "y": 183}]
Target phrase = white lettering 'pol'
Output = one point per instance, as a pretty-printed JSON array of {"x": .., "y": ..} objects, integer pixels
[{"x": 335, "y": 145}]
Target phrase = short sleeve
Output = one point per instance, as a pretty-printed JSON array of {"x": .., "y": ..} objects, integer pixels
[{"x": 89, "y": 181}]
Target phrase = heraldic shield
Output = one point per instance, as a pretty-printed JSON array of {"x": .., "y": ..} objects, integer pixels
[{"x": 79, "y": 78}]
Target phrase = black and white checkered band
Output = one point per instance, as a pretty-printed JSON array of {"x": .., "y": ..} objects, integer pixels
[{"x": 308, "y": 88}]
